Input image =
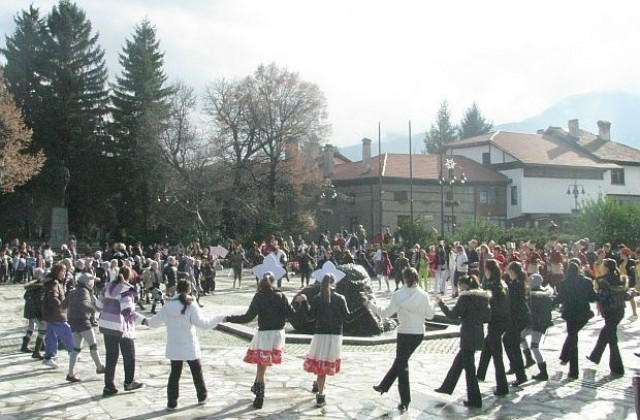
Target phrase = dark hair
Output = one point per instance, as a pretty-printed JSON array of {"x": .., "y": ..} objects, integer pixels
[
  {"x": 516, "y": 267},
  {"x": 266, "y": 283},
  {"x": 56, "y": 270},
  {"x": 184, "y": 289},
  {"x": 612, "y": 266},
  {"x": 410, "y": 276},
  {"x": 470, "y": 281},
  {"x": 325, "y": 287},
  {"x": 125, "y": 273},
  {"x": 492, "y": 266},
  {"x": 573, "y": 270},
  {"x": 496, "y": 274}
]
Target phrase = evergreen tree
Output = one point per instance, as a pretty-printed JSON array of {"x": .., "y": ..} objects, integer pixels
[
  {"x": 442, "y": 131},
  {"x": 75, "y": 98},
  {"x": 140, "y": 109},
  {"x": 473, "y": 123},
  {"x": 24, "y": 61}
]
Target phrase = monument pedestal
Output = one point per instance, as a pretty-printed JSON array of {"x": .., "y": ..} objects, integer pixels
[{"x": 59, "y": 233}]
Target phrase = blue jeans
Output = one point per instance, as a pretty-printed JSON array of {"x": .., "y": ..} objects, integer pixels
[{"x": 55, "y": 331}]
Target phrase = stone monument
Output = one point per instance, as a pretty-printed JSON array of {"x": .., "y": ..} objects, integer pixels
[{"x": 59, "y": 233}]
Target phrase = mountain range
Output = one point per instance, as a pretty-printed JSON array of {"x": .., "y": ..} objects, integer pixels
[{"x": 620, "y": 108}]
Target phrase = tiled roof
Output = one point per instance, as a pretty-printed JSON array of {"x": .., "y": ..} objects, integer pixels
[
  {"x": 425, "y": 167},
  {"x": 603, "y": 149},
  {"x": 536, "y": 149}
]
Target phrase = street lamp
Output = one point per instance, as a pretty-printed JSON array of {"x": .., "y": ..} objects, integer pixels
[
  {"x": 575, "y": 190},
  {"x": 450, "y": 179}
]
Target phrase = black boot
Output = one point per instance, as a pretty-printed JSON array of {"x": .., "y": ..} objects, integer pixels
[
  {"x": 153, "y": 309},
  {"x": 259, "y": 400},
  {"x": 25, "y": 344},
  {"x": 36, "y": 349},
  {"x": 543, "y": 375},
  {"x": 528, "y": 362}
]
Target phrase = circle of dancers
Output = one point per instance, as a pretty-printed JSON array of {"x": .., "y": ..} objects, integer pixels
[{"x": 511, "y": 291}]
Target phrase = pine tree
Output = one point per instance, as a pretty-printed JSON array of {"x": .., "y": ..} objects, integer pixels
[
  {"x": 442, "y": 131},
  {"x": 76, "y": 75},
  {"x": 24, "y": 60},
  {"x": 473, "y": 123},
  {"x": 17, "y": 165},
  {"x": 140, "y": 108}
]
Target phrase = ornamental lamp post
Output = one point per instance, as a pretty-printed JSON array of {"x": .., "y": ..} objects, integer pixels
[
  {"x": 452, "y": 180},
  {"x": 575, "y": 190}
]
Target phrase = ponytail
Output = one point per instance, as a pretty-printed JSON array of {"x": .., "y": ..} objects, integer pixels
[
  {"x": 184, "y": 289},
  {"x": 325, "y": 287}
]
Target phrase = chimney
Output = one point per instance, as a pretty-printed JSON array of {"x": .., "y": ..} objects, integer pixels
[
  {"x": 328, "y": 160},
  {"x": 574, "y": 129},
  {"x": 604, "y": 128},
  {"x": 366, "y": 155}
]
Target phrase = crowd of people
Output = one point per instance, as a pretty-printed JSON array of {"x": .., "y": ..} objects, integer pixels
[{"x": 512, "y": 288}]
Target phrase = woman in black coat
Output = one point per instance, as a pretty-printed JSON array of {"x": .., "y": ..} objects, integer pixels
[
  {"x": 574, "y": 293},
  {"x": 500, "y": 316},
  {"x": 473, "y": 309},
  {"x": 520, "y": 314},
  {"x": 611, "y": 295}
]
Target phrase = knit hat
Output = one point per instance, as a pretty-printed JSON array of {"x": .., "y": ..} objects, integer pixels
[
  {"x": 86, "y": 278},
  {"x": 39, "y": 273},
  {"x": 535, "y": 280}
]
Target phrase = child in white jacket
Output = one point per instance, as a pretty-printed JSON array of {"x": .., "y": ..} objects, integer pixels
[{"x": 181, "y": 319}]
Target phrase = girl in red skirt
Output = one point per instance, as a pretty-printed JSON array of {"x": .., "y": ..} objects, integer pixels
[
  {"x": 272, "y": 309},
  {"x": 329, "y": 310}
]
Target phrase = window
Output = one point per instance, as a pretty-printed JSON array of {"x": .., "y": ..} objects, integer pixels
[
  {"x": 486, "y": 158},
  {"x": 514, "y": 196},
  {"x": 617, "y": 177},
  {"x": 484, "y": 197},
  {"x": 400, "y": 196}
]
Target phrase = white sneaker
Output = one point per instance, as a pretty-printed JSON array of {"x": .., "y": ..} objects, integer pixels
[
  {"x": 51, "y": 363},
  {"x": 633, "y": 318}
]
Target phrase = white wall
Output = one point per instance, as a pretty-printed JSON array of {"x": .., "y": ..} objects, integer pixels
[
  {"x": 475, "y": 153},
  {"x": 631, "y": 182}
]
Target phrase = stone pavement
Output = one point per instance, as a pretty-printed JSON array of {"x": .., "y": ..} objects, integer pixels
[{"x": 29, "y": 389}]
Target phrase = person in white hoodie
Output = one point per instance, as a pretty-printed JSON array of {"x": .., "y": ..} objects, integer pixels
[
  {"x": 181, "y": 319},
  {"x": 412, "y": 304}
]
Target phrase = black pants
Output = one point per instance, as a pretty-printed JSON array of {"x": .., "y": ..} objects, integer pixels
[
  {"x": 464, "y": 360},
  {"x": 305, "y": 275},
  {"x": 113, "y": 346},
  {"x": 493, "y": 349},
  {"x": 173, "y": 387},
  {"x": 512, "y": 347},
  {"x": 405, "y": 346},
  {"x": 609, "y": 335},
  {"x": 569, "y": 351}
]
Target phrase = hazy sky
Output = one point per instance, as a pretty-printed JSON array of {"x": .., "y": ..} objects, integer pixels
[{"x": 389, "y": 61}]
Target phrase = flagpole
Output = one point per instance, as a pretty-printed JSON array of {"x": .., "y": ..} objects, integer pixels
[
  {"x": 410, "y": 187},
  {"x": 380, "y": 182}
]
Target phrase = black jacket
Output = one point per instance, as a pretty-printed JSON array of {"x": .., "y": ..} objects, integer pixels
[
  {"x": 500, "y": 309},
  {"x": 271, "y": 307},
  {"x": 329, "y": 317},
  {"x": 611, "y": 295},
  {"x": 575, "y": 293},
  {"x": 473, "y": 309},
  {"x": 33, "y": 300},
  {"x": 520, "y": 312},
  {"x": 541, "y": 303}
]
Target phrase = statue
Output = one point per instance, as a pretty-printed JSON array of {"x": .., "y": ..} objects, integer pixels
[
  {"x": 61, "y": 178},
  {"x": 354, "y": 286}
]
